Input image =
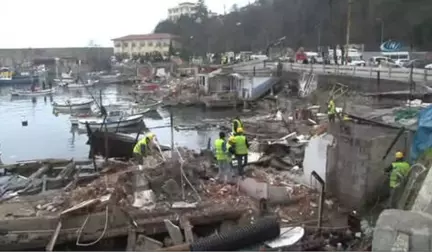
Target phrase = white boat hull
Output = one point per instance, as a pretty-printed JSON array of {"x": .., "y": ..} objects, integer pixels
[
  {"x": 73, "y": 106},
  {"x": 77, "y": 85},
  {"x": 96, "y": 123},
  {"x": 30, "y": 93},
  {"x": 62, "y": 82}
]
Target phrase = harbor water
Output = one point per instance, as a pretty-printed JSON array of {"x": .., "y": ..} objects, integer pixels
[{"x": 50, "y": 135}]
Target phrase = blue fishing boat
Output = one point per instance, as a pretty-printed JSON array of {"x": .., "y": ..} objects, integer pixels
[{"x": 8, "y": 77}]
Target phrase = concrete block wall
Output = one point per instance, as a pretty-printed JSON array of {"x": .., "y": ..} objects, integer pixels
[
  {"x": 354, "y": 164},
  {"x": 366, "y": 85}
]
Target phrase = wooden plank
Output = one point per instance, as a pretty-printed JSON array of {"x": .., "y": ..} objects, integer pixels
[
  {"x": 40, "y": 172},
  {"x": 52, "y": 242},
  {"x": 67, "y": 171},
  {"x": 36, "y": 232},
  {"x": 131, "y": 240},
  {"x": 187, "y": 227}
]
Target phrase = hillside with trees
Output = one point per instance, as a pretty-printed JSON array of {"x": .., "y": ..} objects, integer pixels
[{"x": 307, "y": 23}]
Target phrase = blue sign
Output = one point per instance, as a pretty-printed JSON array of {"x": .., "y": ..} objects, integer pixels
[{"x": 390, "y": 46}]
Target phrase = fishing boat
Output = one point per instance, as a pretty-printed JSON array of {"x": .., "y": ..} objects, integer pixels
[
  {"x": 75, "y": 117},
  {"x": 36, "y": 92},
  {"x": 120, "y": 144},
  {"x": 115, "y": 119},
  {"x": 109, "y": 79},
  {"x": 73, "y": 104},
  {"x": 89, "y": 83},
  {"x": 65, "y": 78},
  {"x": 8, "y": 77}
]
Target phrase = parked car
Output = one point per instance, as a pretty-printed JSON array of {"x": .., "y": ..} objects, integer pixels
[
  {"x": 356, "y": 61},
  {"x": 382, "y": 61},
  {"x": 428, "y": 66},
  {"x": 401, "y": 62}
]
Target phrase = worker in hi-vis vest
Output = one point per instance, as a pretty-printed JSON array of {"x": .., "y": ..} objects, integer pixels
[
  {"x": 143, "y": 147},
  {"x": 236, "y": 123},
  {"x": 241, "y": 151},
  {"x": 331, "y": 110},
  {"x": 398, "y": 171},
  {"x": 222, "y": 157}
]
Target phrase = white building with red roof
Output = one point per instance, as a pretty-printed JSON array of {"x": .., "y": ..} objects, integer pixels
[{"x": 146, "y": 43}]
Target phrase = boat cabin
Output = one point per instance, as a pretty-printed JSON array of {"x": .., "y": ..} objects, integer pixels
[
  {"x": 243, "y": 87},
  {"x": 5, "y": 73}
]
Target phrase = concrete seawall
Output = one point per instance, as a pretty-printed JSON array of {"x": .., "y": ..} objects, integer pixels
[{"x": 17, "y": 56}]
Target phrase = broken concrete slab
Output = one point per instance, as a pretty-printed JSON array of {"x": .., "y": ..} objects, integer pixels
[
  {"x": 171, "y": 188},
  {"x": 254, "y": 189},
  {"x": 145, "y": 243},
  {"x": 174, "y": 232},
  {"x": 279, "y": 194},
  {"x": 393, "y": 224},
  {"x": 144, "y": 199}
]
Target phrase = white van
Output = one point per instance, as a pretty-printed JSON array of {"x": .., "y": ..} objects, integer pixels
[
  {"x": 355, "y": 57},
  {"x": 398, "y": 57},
  {"x": 258, "y": 57},
  {"x": 314, "y": 57}
]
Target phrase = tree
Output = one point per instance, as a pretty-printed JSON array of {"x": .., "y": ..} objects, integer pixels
[
  {"x": 404, "y": 20},
  {"x": 234, "y": 8},
  {"x": 201, "y": 10}
]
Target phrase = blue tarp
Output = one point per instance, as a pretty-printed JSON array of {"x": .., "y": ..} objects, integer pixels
[{"x": 423, "y": 137}]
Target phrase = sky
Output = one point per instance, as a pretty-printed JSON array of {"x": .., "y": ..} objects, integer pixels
[{"x": 74, "y": 23}]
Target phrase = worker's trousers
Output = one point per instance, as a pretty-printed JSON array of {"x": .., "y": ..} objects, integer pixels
[
  {"x": 392, "y": 202},
  {"x": 241, "y": 163},
  {"x": 224, "y": 167},
  {"x": 331, "y": 117},
  {"x": 138, "y": 158}
]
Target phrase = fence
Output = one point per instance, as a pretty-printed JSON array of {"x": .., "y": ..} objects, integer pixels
[{"x": 402, "y": 74}]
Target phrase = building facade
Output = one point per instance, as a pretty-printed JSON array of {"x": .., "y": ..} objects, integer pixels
[
  {"x": 146, "y": 43},
  {"x": 183, "y": 9}
]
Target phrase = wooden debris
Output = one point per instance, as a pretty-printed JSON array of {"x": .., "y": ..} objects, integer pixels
[
  {"x": 67, "y": 172},
  {"x": 52, "y": 242},
  {"x": 187, "y": 227},
  {"x": 131, "y": 240}
]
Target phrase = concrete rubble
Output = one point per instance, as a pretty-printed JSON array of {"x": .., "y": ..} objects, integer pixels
[
  {"x": 163, "y": 192},
  {"x": 175, "y": 198}
]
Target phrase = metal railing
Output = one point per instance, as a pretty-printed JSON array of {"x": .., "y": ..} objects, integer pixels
[{"x": 402, "y": 74}]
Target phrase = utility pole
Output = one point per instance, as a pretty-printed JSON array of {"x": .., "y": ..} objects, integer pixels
[
  {"x": 382, "y": 31},
  {"x": 348, "y": 29},
  {"x": 319, "y": 37}
]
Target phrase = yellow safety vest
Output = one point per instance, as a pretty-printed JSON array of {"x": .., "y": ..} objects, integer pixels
[
  {"x": 239, "y": 125},
  {"x": 220, "y": 154},
  {"x": 331, "y": 109},
  {"x": 399, "y": 173},
  {"x": 241, "y": 148},
  {"x": 137, "y": 148}
]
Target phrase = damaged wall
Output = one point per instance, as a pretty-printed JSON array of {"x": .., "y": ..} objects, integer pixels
[
  {"x": 423, "y": 201},
  {"x": 367, "y": 85},
  {"x": 315, "y": 159},
  {"x": 354, "y": 163}
]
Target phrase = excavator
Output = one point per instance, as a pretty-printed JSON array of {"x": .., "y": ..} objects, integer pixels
[{"x": 275, "y": 43}]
